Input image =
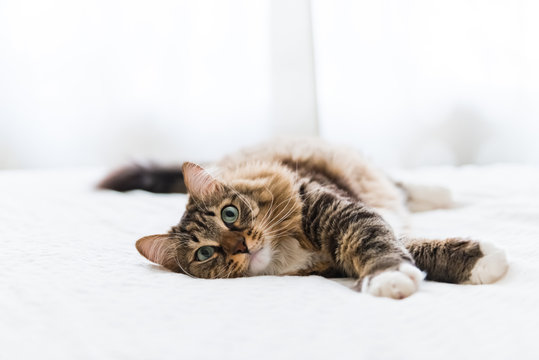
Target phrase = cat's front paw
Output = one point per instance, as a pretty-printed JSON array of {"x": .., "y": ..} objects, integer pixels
[
  {"x": 489, "y": 268},
  {"x": 396, "y": 284}
]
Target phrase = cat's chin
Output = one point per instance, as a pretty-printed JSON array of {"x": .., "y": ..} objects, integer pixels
[{"x": 259, "y": 260}]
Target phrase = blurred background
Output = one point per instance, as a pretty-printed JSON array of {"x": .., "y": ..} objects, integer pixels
[{"x": 409, "y": 83}]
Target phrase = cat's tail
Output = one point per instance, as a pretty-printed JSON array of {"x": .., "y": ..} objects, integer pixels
[
  {"x": 150, "y": 177},
  {"x": 426, "y": 197}
]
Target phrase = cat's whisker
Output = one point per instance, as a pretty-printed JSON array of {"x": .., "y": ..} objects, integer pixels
[
  {"x": 280, "y": 235},
  {"x": 221, "y": 273},
  {"x": 266, "y": 215},
  {"x": 277, "y": 221},
  {"x": 281, "y": 219},
  {"x": 277, "y": 231},
  {"x": 263, "y": 225},
  {"x": 269, "y": 213},
  {"x": 227, "y": 271},
  {"x": 284, "y": 208},
  {"x": 230, "y": 270},
  {"x": 272, "y": 228},
  {"x": 283, "y": 228}
]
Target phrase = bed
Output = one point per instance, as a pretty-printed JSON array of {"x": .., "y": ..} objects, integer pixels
[{"x": 74, "y": 287}]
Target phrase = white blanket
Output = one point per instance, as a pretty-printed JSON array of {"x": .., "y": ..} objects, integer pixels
[{"x": 72, "y": 285}]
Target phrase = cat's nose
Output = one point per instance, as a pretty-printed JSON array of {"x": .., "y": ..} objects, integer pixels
[{"x": 234, "y": 243}]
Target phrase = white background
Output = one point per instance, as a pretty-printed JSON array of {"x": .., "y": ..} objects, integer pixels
[
  {"x": 430, "y": 82},
  {"x": 409, "y": 83}
]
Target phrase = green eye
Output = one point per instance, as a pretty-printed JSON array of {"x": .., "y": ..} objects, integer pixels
[
  {"x": 229, "y": 214},
  {"x": 205, "y": 252}
]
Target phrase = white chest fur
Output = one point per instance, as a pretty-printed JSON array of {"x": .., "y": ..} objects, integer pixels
[{"x": 288, "y": 257}]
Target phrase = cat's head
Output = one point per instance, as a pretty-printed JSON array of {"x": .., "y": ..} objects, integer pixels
[{"x": 230, "y": 226}]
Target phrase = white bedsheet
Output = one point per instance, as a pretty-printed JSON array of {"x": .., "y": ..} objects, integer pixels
[{"x": 72, "y": 285}]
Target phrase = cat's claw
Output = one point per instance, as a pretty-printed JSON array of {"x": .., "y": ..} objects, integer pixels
[
  {"x": 491, "y": 267},
  {"x": 396, "y": 284}
]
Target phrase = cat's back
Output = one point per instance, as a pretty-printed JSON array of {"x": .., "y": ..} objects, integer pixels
[
  {"x": 301, "y": 150},
  {"x": 344, "y": 166}
]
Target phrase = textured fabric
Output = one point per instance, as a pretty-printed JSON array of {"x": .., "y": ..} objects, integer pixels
[{"x": 72, "y": 285}]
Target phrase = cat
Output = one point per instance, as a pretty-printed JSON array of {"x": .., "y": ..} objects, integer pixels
[{"x": 305, "y": 207}]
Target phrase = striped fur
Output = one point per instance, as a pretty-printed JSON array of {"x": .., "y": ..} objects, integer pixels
[{"x": 305, "y": 207}]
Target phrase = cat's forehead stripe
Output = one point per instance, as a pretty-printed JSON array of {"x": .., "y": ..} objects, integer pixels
[{"x": 199, "y": 223}]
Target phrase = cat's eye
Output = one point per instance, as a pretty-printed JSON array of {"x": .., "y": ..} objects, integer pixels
[
  {"x": 229, "y": 214},
  {"x": 205, "y": 252}
]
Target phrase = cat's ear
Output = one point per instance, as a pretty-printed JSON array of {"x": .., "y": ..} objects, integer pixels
[
  {"x": 160, "y": 249},
  {"x": 198, "y": 181}
]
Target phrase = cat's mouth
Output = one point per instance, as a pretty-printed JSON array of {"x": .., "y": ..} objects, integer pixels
[{"x": 259, "y": 260}]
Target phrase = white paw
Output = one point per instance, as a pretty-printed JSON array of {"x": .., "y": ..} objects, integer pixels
[
  {"x": 396, "y": 284},
  {"x": 491, "y": 267},
  {"x": 425, "y": 197}
]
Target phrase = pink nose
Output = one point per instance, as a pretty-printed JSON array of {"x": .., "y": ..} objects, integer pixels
[{"x": 234, "y": 243}]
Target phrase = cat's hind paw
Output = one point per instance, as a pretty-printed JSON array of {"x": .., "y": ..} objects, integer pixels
[
  {"x": 425, "y": 197},
  {"x": 395, "y": 284},
  {"x": 491, "y": 267}
]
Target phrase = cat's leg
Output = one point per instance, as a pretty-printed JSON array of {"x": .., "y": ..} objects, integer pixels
[
  {"x": 458, "y": 260},
  {"x": 361, "y": 244}
]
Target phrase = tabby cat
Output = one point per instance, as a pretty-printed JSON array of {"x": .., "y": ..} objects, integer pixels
[{"x": 301, "y": 208}]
